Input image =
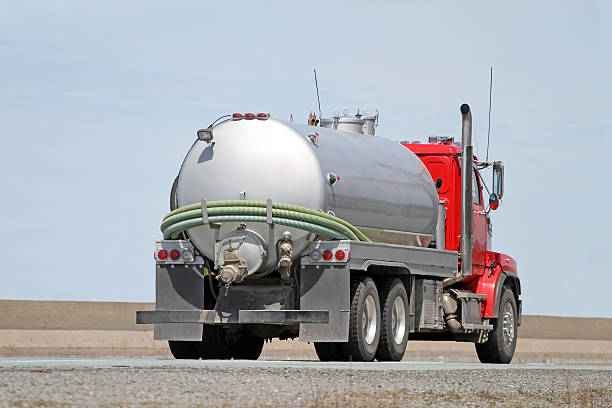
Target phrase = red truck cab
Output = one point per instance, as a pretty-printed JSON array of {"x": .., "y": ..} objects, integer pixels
[{"x": 491, "y": 271}]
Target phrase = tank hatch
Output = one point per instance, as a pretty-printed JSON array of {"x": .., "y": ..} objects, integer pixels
[{"x": 359, "y": 123}]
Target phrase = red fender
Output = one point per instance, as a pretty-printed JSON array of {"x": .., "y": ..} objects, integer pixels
[{"x": 492, "y": 281}]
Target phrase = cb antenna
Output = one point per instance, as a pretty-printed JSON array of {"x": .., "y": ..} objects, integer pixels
[
  {"x": 489, "y": 131},
  {"x": 318, "y": 100}
]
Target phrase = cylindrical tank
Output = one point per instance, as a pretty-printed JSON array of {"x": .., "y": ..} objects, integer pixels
[{"x": 381, "y": 187}]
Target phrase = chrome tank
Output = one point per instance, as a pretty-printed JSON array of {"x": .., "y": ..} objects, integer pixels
[{"x": 383, "y": 188}]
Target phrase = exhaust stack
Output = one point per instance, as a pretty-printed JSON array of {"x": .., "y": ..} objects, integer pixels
[{"x": 467, "y": 212}]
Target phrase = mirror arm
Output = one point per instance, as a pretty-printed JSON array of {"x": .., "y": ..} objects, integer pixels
[{"x": 486, "y": 211}]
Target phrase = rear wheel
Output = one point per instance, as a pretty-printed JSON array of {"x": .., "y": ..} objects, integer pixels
[
  {"x": 328, "y": 351},
  {"x": 364, "y": 324},
  {"x": 500, "y": 346},
  {"x": 184, "y": 350},
  {"x": 247, "y": 346},
  {"x": 213, "y": 346},
  {"x": 394, "y": 327}
]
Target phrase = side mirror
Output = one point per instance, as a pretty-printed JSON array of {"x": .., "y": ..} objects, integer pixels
[
  {"x": 498, "y": 179},
  {"x": 493, "y": 201}
]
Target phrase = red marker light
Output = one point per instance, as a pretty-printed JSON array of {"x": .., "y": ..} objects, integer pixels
[
  {"x": 174, "y": 254},
  {"x": 494, "y": 205},
  {"x": 262, "y": 115},
  {"x": 162, "y": 254},
  {"x": 249, "y": 115},
  {"x": 340, "y": 255},
  {"x": 237, "y": 116},
  {"x": 327, "y": 255}
]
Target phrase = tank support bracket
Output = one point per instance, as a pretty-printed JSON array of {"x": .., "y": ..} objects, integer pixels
[
  {"x": 204, "y": 211},
  {"x": 269, "y": 211}
]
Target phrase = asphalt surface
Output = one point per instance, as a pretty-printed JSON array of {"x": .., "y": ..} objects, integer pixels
[
  {"x": 66, "y": 382},
  {"x": 93, "y": 363}
]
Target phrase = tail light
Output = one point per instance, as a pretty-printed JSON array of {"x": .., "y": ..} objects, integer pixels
[
  {"x": 327, "y": 255},
  {"x": 162, "y": 254},
  {"x": 174, "y": 254},
  {"x": 340, "y": 255}
]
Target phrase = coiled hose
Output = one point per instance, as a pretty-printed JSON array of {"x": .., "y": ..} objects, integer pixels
[{"x": 289, "y": 215}]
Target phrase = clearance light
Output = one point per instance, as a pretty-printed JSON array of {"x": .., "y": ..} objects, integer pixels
[
  {"x": 260, "y": 116},
  {"x": 174, "y": 254},
  {"x": 340, "y": 255},
  {"x": 162, "y": 255},
  {"x": 327, "y": 255},
  {"x": 494, "y": 201}
]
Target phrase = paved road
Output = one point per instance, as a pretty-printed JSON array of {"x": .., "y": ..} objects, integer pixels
[
  {"x": 55, "y": 382},
  {"x": 62, "y": 363}
]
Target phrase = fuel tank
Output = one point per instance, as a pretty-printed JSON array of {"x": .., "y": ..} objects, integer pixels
[{"x": 375, "y": 184}]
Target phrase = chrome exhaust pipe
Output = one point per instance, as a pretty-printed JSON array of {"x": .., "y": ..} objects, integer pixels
[{"x": 467, "y": 210}]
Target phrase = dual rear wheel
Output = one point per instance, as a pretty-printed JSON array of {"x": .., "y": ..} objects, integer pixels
[
  {"x": 217, "y": 345},
  {"x": 378, "y": 325}
]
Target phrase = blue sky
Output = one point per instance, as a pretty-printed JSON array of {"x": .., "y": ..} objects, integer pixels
[{"x": 99, "y": 102}]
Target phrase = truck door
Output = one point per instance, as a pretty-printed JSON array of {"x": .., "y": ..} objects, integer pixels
[{"x": 480, "y": 226}]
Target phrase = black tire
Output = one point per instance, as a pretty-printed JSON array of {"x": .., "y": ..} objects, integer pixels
[
  {"x": 328, "y": 351},
  {"x": 184, "y": 350},
  {"x": 213, "y": 346},
  {"x": 247, "y": 347},
  {"x": 496, "y": 349},
  {"x": 388, "y": 348},
  {"x": 358, "y": 348}
]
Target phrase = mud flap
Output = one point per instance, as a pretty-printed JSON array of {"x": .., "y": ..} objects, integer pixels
[
  {"x": 179, "y": 287},
  {"x": 325, "y": 288}
]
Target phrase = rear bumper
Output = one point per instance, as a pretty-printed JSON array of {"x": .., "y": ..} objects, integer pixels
[{"x": 282, "y": 317}]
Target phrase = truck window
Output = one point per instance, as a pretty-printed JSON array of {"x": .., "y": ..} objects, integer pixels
[{"x": 475, "y": 188}]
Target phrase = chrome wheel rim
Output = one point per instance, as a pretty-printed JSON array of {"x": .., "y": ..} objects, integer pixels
[
  {"x": 508, "y": 325},
  {"x": 398, "y": 320},
  {"x": 368, "y": 319}
]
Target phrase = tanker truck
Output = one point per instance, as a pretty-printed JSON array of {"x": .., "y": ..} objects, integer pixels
[{"x": 330, "y": 234}]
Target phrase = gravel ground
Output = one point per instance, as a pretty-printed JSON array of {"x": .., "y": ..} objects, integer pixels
[{"x": 302, "y": 387}]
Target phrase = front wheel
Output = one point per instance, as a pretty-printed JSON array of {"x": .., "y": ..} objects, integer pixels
[{"x": 499, "y": 347}]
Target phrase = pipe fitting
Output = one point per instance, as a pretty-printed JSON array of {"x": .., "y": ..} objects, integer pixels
[
  {"x": 234, "y": 269},
  {"x": 285, "y": 250},
  {"x": 450, "y": 306}
]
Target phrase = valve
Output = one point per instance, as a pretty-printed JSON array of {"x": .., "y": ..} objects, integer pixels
[
  {"x": 285, "y": 250},
  {"x": 234, "y": 268}
]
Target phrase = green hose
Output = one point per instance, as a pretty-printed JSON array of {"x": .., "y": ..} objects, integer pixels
[
  {"x": 174, "y": 230},
  {"x": 289, "y": 215}
]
